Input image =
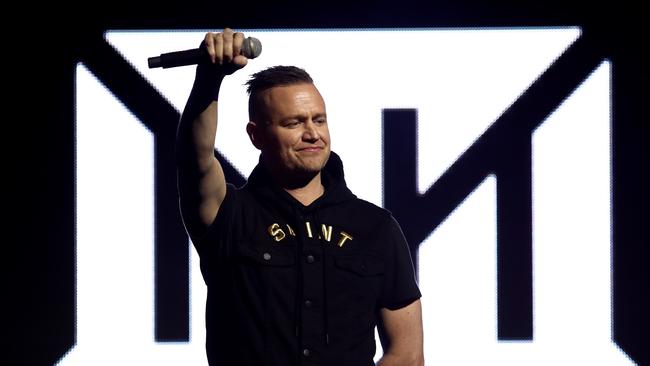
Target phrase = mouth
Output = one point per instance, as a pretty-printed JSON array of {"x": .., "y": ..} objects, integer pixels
[{"x": 311, "y": 149}]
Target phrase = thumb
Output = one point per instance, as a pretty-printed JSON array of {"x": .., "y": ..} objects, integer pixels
[{"x": 240, "y": 61}]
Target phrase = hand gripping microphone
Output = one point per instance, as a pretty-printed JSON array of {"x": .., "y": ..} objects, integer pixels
[{"x": 251, "y": 48}]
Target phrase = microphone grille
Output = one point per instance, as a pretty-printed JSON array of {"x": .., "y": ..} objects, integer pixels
[{"x": 251, "y": 47}]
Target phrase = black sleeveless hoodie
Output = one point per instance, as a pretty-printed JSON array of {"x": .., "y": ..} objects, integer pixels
[{"x": 290, "y": 284}]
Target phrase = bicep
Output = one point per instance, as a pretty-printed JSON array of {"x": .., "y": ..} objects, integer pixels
[{"x": 201, "y": 195}]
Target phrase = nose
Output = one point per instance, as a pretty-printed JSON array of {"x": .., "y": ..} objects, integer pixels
[{"x": 311, "y": 131}]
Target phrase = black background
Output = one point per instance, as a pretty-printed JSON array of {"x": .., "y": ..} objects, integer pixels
[{"x": 40, "y": 136}]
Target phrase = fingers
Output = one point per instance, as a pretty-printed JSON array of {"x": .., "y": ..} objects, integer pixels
[
  {"x": 239, "y": 59},
  {"x": 210, "y": 41},
  {"x": 225, "y": 47},
  {"x": 238, "y": 41}
]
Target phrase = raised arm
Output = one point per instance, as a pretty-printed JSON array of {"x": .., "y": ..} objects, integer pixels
[
  {"x": 201, "y": 182},
  {"x": 403, "y": 327}
]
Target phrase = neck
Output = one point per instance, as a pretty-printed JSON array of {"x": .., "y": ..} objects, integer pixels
[
  {"x": 306, "y": 187},
  {"x": 308, "y": 193}
]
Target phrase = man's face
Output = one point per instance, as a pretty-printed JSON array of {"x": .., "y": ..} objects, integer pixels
[{"x": 295, "y": 137}]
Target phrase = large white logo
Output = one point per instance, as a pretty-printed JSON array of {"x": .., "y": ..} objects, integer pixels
[{"x": 460, "y": 81}]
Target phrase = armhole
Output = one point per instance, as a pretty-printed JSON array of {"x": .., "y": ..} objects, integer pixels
[
  {"x": 221, "y": 226},
  {"x": 402, "y": 288}
]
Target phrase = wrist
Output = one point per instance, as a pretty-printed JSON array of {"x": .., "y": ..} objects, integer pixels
[{"x": 208, "y": 80}]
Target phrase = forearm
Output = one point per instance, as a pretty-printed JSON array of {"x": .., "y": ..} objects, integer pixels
[{"x": 198, "y": 124}]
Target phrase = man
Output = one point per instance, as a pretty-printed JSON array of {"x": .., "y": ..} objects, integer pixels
[{"x": 299, "y": 270}]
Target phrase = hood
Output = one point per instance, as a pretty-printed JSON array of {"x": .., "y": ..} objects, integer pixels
[{"x": 262, "y": 185}]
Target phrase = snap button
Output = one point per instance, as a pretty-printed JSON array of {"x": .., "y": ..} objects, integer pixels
[
  {"x": 266, "y": 256},
  {"x": 308, "y": 303},
  {"x": 306, "y": 352},
  {"x": 310, "y": 259}
]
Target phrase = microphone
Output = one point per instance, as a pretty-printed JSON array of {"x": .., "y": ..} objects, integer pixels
[{"x": 251, "y": 48}]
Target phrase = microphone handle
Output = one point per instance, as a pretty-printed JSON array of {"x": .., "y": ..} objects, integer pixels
[
  {"x": 251, "y": 48},
  {"x": 178, "y": 58}
]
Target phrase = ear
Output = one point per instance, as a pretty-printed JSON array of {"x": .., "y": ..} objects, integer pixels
[{"x": 254, "y": 134}]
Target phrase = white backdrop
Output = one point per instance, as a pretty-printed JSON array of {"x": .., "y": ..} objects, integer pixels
[{"x": 460, "y": 81}]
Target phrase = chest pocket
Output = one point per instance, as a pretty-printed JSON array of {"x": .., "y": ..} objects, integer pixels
[
  {"x": 266, "y": 256},
  {"x": 358, "y": 281},
  {"x": 361, "y": 266},
  {"x": 265, "y": 274}
]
